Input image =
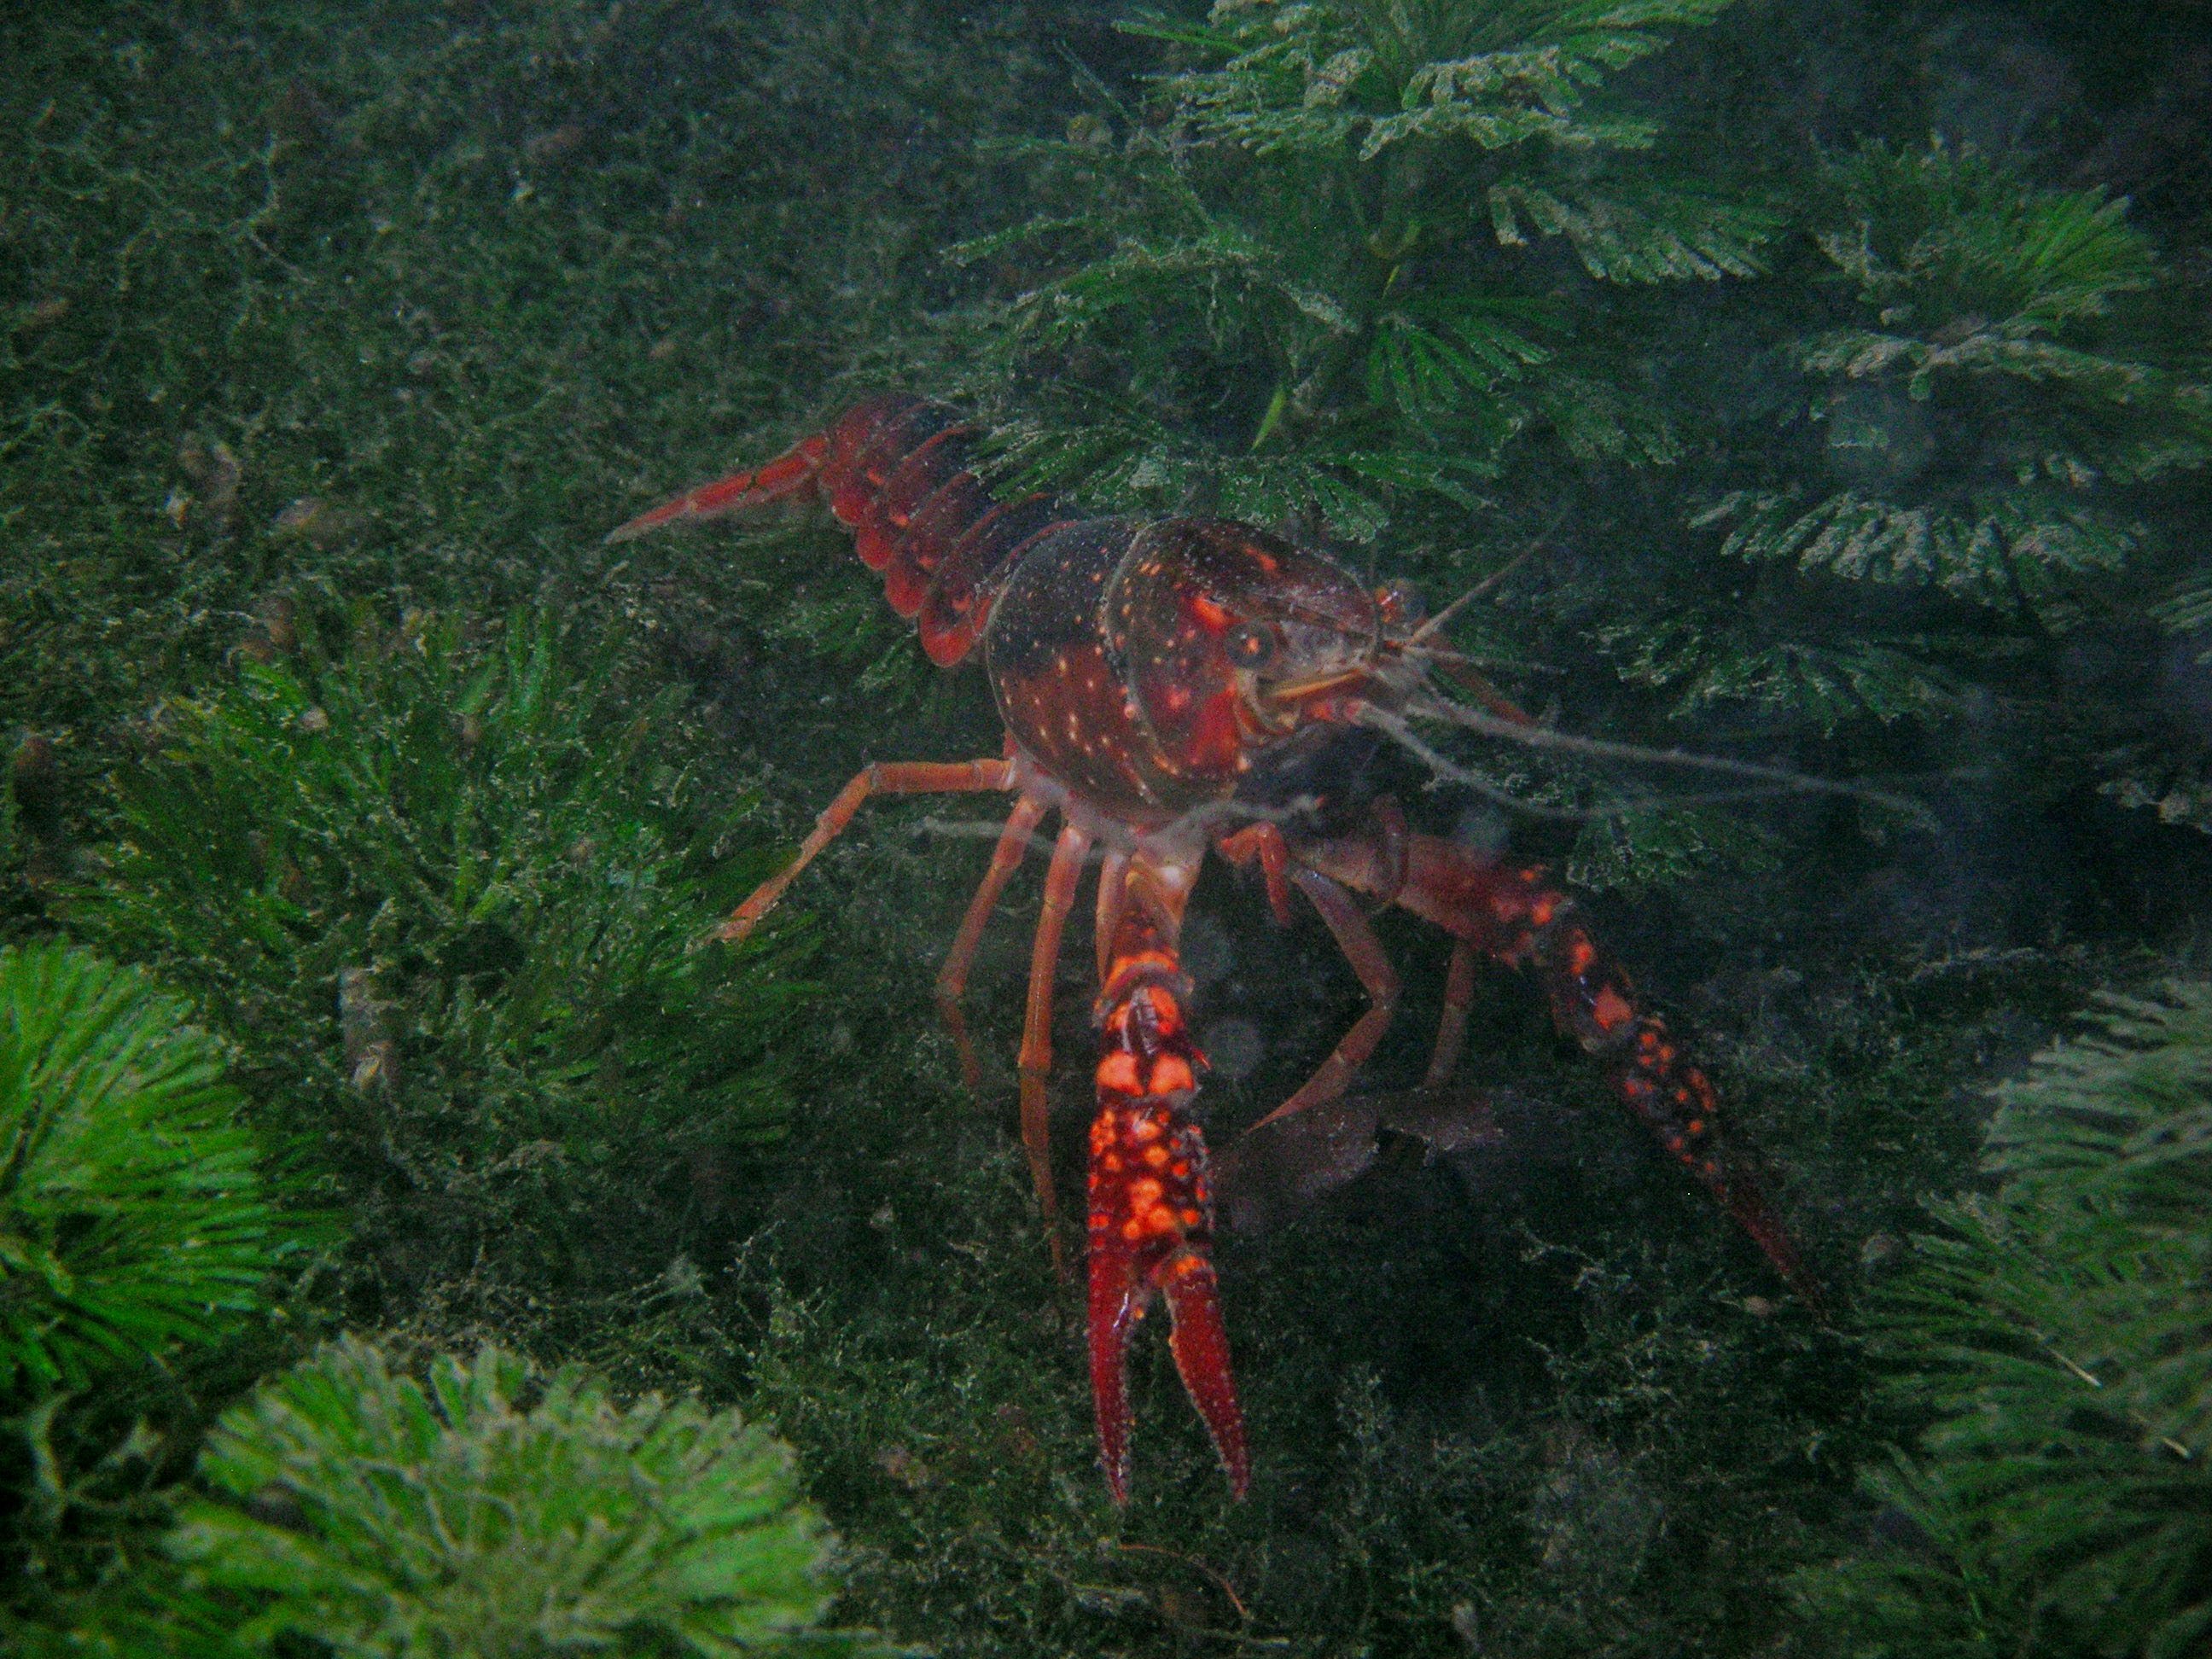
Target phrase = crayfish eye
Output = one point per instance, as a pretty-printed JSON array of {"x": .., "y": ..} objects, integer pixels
[
  {"x": 1251, "y": 645},
  {"x": 1400, "y": 603}
]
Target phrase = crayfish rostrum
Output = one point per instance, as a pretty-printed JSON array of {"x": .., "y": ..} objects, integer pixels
[{"x": 1158, "y": 680}]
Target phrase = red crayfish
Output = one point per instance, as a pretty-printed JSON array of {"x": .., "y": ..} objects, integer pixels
[{"x": 1163, "y": 684}]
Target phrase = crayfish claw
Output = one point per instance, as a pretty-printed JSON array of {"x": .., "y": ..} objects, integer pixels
[
  {"x": 1151, "y": 1219},
  {"x": 1740, "y": 1196},
  {"x": 1200, "y": 1342},
  {"x": 1117, "y": 1303},
  {"x": 1123, "y": 1286}
]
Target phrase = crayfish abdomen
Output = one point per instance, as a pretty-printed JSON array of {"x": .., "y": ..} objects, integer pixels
[{"x": 1166, "y": 687}]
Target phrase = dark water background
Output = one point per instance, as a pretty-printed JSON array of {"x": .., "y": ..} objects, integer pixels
[{"x": 339, "y": 336}]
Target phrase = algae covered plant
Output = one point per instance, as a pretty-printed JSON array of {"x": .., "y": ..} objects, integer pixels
[{"x": 1647, "y": 674}]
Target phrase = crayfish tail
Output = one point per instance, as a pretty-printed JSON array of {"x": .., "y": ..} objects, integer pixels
[
  {"x": 1149, "y": 1234},
  {"x": 789, "y": 476}
]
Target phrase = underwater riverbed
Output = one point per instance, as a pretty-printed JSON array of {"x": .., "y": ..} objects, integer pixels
[{"x": 1659, "y": 542}]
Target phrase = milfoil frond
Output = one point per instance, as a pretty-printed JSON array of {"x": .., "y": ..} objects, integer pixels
[
  {"x": 1953, "y": 238},
  {"x": 133, "y": 1216},
  {"x": 500, "y": 1510},
  {"x": 1456, "y": 358},
  {"x": 1628, "y": 232},
  {"x": 1635, "y": 853},
  {"x": 1113, "y": 455},
  {"x": 2058, "y": 1329},
  {"x": 1323, "y": 77},
  {"x": 1822, "y": 685},
  {"x": 2002, "y": 551}
]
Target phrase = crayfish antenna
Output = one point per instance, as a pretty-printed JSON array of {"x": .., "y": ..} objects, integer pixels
[{"x": 1518, "y": 728}]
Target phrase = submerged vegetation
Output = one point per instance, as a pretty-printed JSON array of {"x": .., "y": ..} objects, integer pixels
[
  {"x": 498, "y": 1512},
  {"x": 1297, "y": 235},
  {"x": 2055, "y": 1331},
  {"x": 442, "y": 891},
  {"x": 1822, "y": 385},
  {"x": 137, "y": 1217}
]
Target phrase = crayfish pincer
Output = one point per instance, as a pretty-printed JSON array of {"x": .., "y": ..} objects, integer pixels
[{"x": 1150, "y": 673}]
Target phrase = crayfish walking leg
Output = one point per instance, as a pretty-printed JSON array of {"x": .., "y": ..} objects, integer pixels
[{"x": 937, "y": 777}]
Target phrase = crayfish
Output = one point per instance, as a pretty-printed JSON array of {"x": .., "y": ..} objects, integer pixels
[{"x": 1164, "y": 684}]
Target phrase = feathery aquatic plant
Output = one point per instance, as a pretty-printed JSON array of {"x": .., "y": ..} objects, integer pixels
[
  {"x": 441, "y": 890},
  {"x": 1988, "y": 414},
  {"x": 2060, "y": 1333},
  {"x": 1973, "y": 289},
  {"x": 497, "y": 1512},
  {"x": 132, "y": 1213},
  {"x": 1327, "y": 230}
]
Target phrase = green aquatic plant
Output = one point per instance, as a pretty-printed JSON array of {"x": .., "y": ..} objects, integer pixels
[
  {"x": 1987, "y": 409},
  {"x": 442, "y": 889},
  {"x": 1386, "y": 275},
  {"x": 496, "y": 1511},
  {"x": 1985, "y": 419},
  {"x": 2056, "y": 1332},
  {"x": 133, "y": 1213},
  {"x": 144, "y": 1259},
  {"x": 2169, "y": 770},
  {"x": 1310, "y": 274},
  {"x": 15, "y": 844},
  {"x": 1434, "y": 268}
]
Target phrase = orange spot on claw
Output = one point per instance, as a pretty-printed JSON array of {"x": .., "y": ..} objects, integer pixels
[
  {"x": 1611, "y": 1009},
  {"x": 1171, "y": 1073}
]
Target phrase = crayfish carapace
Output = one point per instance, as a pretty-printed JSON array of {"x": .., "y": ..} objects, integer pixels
[{"x": 1158, "y": 680}]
